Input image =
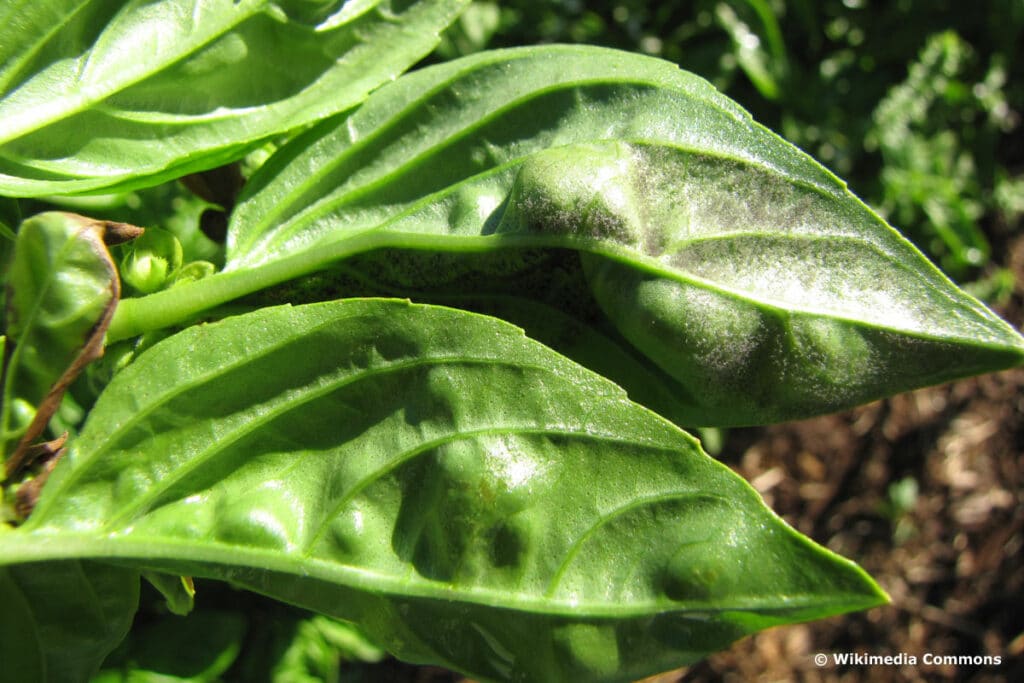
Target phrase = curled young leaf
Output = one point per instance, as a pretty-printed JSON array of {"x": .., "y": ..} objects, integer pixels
[
  {"x": 61, "y": 291},
  {"x": 169, "y": 87},
  {"x": 743, "y": 275},
  {"x": 464, "y": 494}
]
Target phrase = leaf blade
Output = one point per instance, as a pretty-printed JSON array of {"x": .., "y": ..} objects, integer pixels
[
  {"x": 388, "y": 480},
  {"x": 178, "y": 86},
  {"x": 724, "y": 255},
  {"x": 61, "y": 619}
]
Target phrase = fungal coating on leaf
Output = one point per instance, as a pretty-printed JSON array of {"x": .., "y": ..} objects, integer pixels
[
  {"x": 582, "y": 191},
  {"x": 700, "y": 338},
  {"x": 743, "y": 363}
]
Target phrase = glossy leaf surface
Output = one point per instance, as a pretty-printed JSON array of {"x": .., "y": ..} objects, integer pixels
[
  {"x": 98, "y": 94},
  {"x": 752, "y": 282},
  {"x": 60, "y": 619},
  {"x": 465, "y": 495}
]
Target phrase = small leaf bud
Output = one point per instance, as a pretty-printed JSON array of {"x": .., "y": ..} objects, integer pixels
[{"x": 152, "y": 260}]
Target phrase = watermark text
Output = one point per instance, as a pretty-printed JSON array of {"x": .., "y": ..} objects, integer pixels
[{"x": 904, "y": 659}]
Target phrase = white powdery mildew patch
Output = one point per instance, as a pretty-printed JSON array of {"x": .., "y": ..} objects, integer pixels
[
  {"x": 826, "y": 284},
  {"x": 757, "y": 234},
  {"x": 508, "y": 462},
  {"x": 720, "y": 333},
  {"x": 841, "y": 278}
]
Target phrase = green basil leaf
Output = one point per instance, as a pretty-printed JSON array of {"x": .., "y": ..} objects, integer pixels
[
  {"x": 753, "y": 282},
  {"x": 462, "y": 493},
  {"x": 61, "y": 619},
  {"x": 102, "y": 94},
  {"x": 62, "y": 287}
]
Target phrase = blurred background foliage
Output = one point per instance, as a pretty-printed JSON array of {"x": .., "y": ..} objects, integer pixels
[{"x": 915, "y": 103}]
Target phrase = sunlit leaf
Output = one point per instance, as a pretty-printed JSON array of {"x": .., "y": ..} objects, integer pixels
[
  {"x": 465, "y": 495},
  {"x": 739, "y": 270},
  {"x": 101, "y": 94}
]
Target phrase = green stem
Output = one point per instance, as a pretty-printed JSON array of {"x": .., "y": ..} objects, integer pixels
[
  {"x": 186, "y": 301},
  {"x": 172, "y": 306}
]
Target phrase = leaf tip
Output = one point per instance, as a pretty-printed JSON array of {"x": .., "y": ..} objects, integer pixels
[{"x": 115, "y": 233}]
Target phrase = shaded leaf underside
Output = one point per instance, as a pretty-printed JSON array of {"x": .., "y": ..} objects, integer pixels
[{"x": 61, "y": 619}]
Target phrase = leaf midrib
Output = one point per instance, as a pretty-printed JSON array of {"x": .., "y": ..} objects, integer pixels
[
  {"x": 204, "y": 559},
  {"x": 383, "y": 237}
]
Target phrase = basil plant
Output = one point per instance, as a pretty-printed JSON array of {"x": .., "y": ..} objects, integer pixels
[{"x": 434, "y": 378}]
